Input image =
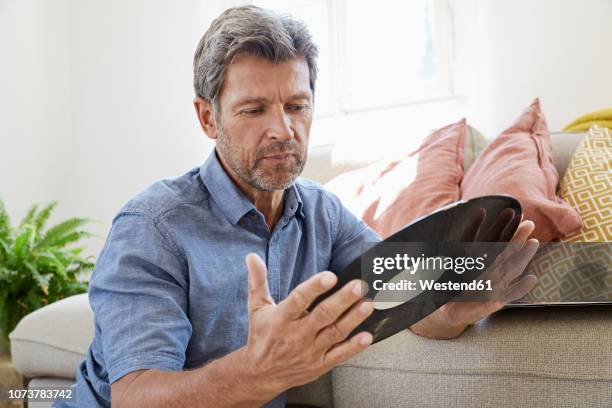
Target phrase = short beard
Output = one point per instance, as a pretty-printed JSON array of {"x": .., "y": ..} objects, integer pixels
[{"x": 255, "y": 175}]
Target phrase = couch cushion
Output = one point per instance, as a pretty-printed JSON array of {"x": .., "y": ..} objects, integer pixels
[
  {"x": 519, "y": 162},
  {"x": 581, "y": 272},
  {"x": 587, "y": 186},
  {"x": 474, "y": 143},
  {"x": 61, "y": 332},
  {"x": 390, "y": 193},
  {"x": 559, "y": 356},
  {"x": 564, "y": 145}
]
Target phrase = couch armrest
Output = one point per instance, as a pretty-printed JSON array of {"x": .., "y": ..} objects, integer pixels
[{"x": 53, "y": 340}]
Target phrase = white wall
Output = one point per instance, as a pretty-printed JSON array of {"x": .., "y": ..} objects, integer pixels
[
  {"x": 35, "y": 120},
  {"x": 134, "y": 121},
  {"x": 559, "y": 50},
  {"x": 96, "y": 101}
]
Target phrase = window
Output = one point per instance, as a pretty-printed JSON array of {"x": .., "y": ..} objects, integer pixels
[{"x": 376, "y": 55}]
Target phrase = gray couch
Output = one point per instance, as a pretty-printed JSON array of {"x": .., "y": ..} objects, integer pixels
[{"x": 543, "y": 357}]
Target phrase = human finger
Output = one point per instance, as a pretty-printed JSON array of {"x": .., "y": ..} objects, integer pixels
[
  {"x": 341, "y": 328},
  {"x": 258, "y": 293},
  {"x": 516, "y": 265},
  {"x": 511, "y": 250},
  {"x": 347, "y": 349},
  {"x": 505, "y": 270},
  {"x": 300, "y": 298},
  {"x": 523, "y": 231},
  {"x": 330, "y": 309},
  {"x": 521, "y": 288}
]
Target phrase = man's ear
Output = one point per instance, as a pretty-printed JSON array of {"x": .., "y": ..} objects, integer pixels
[{"x": 206, "y": 116}]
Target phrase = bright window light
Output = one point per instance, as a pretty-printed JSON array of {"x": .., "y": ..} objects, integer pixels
[{"x": 376, "y": 55}]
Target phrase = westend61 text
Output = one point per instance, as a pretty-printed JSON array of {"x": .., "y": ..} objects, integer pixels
[{"x": 428, "y": 284}]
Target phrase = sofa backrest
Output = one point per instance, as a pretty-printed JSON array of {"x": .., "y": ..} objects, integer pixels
[{"x": 327, "y": 161}]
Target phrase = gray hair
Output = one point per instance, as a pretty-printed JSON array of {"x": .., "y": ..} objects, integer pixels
[{"x": 254, "y": 31}]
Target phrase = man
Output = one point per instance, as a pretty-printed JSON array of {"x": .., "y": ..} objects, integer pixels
[{"x": 180, "y": 320}]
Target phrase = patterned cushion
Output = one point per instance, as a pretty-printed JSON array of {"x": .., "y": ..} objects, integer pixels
[
  {"x": 587, "y": 186},
  {"x": 579, "y": 267}
]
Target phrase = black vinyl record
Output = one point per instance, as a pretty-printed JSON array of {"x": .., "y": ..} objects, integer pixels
[{"x": 487, "y": 219}]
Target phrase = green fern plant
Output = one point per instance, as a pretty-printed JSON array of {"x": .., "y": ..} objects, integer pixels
[{"x": 38, "y": 266}]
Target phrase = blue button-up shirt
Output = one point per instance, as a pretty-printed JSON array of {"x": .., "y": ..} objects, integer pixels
[{"x": 169, "y": 290}]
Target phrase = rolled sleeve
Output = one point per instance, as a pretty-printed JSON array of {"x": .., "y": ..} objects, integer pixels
[{"x": 139, "y": 295}]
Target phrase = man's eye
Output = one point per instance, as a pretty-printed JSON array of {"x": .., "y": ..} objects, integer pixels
[
  {"x": 297, "y": 108},
  {"x": 253, "y": 111}
]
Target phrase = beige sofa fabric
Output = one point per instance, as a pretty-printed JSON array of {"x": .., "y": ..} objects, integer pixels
[
  {"x": 538, "y": 357},
  {"x": 53, "y": 340},
  {"x": 564, "y": 144},
  {"x": 474, "y": 143},
  {"x": 465, "y": 391}
]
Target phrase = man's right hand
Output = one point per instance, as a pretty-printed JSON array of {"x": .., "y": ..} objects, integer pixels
[{"x": 287, "y": 344}]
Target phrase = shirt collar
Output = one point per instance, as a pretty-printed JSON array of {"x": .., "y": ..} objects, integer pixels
[{"x": 232, "y": 202}]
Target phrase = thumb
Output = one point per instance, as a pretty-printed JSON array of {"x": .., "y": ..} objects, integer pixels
[{"x": 259, "y": 294}]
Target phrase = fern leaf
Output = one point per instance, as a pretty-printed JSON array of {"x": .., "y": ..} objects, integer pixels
[
  {"x": 43, "y": 215},
  {"x": 29, "y": 216},
  {"x": 38, "y": 278},
  {"x": 56, "y": 266},
  {"x": 24, "y": 242},
  {"x": 57, "y": 233},
  {"x": 69, "y": 238},
  {"x": 50, "y": 262},
  {"x": 5, "y": 222},
  {"x": 80, "y": 267},
  {"x": 4, "y": 250}
]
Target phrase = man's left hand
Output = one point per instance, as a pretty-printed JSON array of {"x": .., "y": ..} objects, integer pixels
[{"x": 454, "y": 317}]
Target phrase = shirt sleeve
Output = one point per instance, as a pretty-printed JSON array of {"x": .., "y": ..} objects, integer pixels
[
  {"x": 139, "y": 295},
  {"x": 351, "y": 236}
]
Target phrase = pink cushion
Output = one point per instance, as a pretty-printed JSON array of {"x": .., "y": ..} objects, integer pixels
[
  {"x": 389, "y": 194},
  {"x": 519, "y": 163}
]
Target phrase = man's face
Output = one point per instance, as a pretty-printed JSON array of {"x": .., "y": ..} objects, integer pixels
[{"x": 264, "y": 118}]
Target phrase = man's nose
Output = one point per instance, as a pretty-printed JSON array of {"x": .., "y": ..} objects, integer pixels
[{"x": 280, "y": 127}]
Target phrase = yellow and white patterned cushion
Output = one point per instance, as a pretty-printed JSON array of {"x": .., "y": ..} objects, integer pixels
[
  {"x": 576, "y": 268},
  {"x": 587, "y": 186}
]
